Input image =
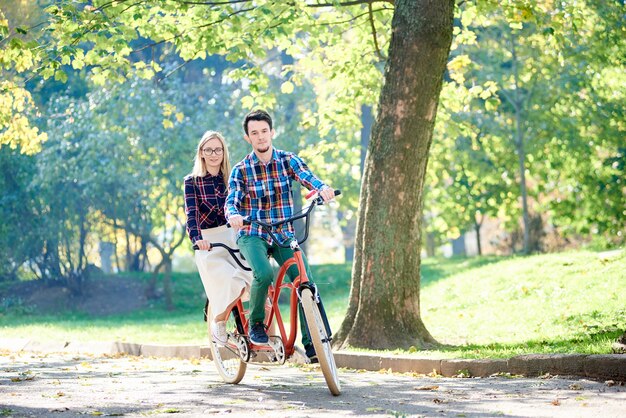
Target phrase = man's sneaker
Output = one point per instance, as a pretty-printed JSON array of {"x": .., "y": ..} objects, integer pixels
[
  {"x": 310, "y": 352},
  {"x": 258, "y": 334},
  {"x": 218, "y": 330}
]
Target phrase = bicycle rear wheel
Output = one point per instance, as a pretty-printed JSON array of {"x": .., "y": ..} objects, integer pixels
[
  {"x": 321, "y": 341},
  {"x": 227, "y": 361}
]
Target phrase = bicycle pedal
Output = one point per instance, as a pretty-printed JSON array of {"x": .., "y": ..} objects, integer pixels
[
  {"x": 267, "y": 345},
  {"x": 261, "y": 345}
]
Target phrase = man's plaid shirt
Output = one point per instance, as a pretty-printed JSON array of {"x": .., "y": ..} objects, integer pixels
[{"x": 263, "y": 191}]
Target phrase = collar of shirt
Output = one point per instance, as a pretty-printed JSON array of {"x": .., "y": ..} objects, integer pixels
[
  {"x": 211, "y": 176},
  {"x": 257, "y": 161}
]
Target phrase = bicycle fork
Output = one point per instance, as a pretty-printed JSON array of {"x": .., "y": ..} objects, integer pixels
[
  {"x": 297, "y": 252},
  {"x": 320, "y": 305}
]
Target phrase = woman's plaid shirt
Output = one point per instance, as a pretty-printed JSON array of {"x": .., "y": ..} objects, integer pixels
[
  {"x": 263, "y": 191},
  {"x": 204, "y": 204}
]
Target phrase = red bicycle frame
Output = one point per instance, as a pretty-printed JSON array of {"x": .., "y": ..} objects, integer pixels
[{"x": 274, "y": 312}]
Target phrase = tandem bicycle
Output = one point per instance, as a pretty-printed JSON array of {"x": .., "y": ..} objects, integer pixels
[{"x": 232, "y": 358}]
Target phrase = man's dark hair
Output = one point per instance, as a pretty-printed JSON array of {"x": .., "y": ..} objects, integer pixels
[{"x": 258, "y": 115}]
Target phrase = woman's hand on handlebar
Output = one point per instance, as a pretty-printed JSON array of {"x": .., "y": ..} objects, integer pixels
[
  {"x": 203, "y": 245},
  {"x": 236, "y": 222}
]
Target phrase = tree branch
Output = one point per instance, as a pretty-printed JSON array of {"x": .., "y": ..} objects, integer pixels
[
  {"x": 508, "y": 98},
  {"x": 109, "y": 4},
  {"x": 371, "y": 15},
  {"x": 178, "y": 67},
  {"x": 13, "y": 33},
  {"x": 212, "y": 3},
  {"x": 351, "y": 3},
  {"x": 197, "y": 27},
  {"x": 349, "y": 20}
]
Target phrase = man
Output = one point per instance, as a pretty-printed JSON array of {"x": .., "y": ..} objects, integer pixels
[{"x": 260, "y": 189}]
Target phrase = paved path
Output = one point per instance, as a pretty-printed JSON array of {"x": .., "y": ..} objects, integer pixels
[{"x": 69, "y": 385}]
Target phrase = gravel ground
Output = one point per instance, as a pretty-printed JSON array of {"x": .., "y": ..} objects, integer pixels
[{"x": 66, "y": 385}]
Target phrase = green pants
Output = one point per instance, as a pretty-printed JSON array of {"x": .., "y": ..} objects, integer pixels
[{"x": 254, "y": 249}]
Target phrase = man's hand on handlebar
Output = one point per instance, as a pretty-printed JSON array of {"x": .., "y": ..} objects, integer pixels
[
  {"x": 236, "y": 222},
  {"x": 327, "y": 193},
  {"x": 203, "y": 245}
]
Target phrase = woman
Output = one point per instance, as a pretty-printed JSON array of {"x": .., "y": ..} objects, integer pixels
[{"x": 205, "y": 193}]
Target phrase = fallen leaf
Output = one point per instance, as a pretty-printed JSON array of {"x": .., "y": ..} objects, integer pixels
[
  {"x": 427, "y": 388},
  {"x": 59, "y": 409},
  {"x": 556, "y": 402},
  {"x": 24, "y": 376}
]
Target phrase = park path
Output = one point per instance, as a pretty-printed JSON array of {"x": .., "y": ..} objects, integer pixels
[{"x": 70, "y": 385}]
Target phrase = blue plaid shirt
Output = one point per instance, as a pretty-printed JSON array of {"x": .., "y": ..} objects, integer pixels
[{"x": 262, "y": 192}]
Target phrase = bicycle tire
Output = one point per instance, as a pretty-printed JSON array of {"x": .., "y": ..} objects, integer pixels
[
  {"x": 228, "y": 364},
  {"x": 321, "y": 342}
]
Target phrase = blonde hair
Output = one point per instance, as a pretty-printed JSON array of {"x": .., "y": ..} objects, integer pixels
[{"x": 199, "y": 166}]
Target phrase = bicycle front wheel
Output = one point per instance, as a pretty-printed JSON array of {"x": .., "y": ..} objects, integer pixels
[
  {"x": 321, "y": 341},
  {"x": 227, "y": 361}
]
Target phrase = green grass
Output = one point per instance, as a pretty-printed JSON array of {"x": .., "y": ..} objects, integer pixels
[
  {"x": 154, "y": 325},
  {"x": 572, "y": 302}
]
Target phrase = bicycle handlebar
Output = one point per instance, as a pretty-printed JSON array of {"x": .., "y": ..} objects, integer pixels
[
  {"x": 267, "y": 227},
  {"x": 232, "y": 252}
]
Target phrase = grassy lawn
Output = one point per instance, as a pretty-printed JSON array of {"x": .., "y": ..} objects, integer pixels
[
  {"x": 154, "y": 325},
  {"x": 572, "y": 302}
]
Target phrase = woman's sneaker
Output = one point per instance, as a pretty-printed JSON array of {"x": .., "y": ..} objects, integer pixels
[
  {"x": 218, "y": 330},
  {"x": 258, "y": 334}
]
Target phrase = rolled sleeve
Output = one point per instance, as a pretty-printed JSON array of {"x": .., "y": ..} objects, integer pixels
[{"x": 303, "y": 174}]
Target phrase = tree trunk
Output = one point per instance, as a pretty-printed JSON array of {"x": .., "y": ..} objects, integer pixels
[
  {"x": 430, "y": 245},
  {"x": 128, "y": 251},
  {"x": 348, "y": 230},
  {"x": 477, "y": 226},
  {"x": 167, "y": 284},
  {"x": 519, "y": 145},
  {"x": 151, "y": 286},
  {"x": 386, "y": 275}
]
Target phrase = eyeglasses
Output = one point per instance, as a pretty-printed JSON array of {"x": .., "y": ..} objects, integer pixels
[{"x": 211, "y": 151}]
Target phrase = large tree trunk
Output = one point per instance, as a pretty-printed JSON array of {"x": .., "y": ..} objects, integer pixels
[{"x": 386, "y": 275}]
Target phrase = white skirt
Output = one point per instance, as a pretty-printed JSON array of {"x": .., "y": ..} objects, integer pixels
[{"x": 222, "y": 278}]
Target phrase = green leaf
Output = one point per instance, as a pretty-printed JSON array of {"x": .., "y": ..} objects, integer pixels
[
  {"x": 61, "y": 76},
  {"x": 247, "y": 102},
  {"x": 287, "y": 87},
  {"x": 47, "y": 72},
  {"x": 78, "y": 64},
  {"x": 491, "y": 104}
]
